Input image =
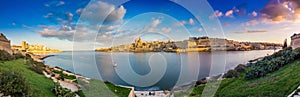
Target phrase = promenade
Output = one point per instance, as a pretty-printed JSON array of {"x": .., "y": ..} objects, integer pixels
[{"x": 153, "y": 94}]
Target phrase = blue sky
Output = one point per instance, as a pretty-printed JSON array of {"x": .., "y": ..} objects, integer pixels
[{"x": 53, "y": 22}]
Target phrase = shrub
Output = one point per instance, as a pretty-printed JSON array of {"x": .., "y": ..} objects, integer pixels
[
  {"x": 28, "y": 58},
  {"x": 232, "y": 74},
  {"x": 37, "y": 67},
  {"x": 272, "y": 63},
  {"x": 64, "y": 76},
  {"x": 240, "y": 68},
  {"x": 18, "y": 56},
  {"x": 14, "y": 84},
  {"x": 62, "y": 92},
  {"x": 80, "y": 93},
  {"x": 5, "y": 56}
]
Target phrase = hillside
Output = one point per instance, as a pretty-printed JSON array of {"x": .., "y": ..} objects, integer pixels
[
  {"x": 276, "y": 84},
  {"x": 39, "y": 84}
]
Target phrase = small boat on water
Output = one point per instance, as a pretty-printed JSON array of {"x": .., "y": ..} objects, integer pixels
[{"x": 115, "y": 65}]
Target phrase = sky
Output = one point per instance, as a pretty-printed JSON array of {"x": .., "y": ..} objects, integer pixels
[{"x": 60, "y": 24}]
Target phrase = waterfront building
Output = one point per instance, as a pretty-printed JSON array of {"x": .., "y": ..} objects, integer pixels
[
  {"x": 295, "y": 41},
  {"x": 16, "y": 47},
  {"x": 23, "y": 47},
  {"x": 139, "y": 43},
  {"x": 33, "y": 48},
  {"x": 191, "y": 44},
  {"x": 257, "y": 46}
]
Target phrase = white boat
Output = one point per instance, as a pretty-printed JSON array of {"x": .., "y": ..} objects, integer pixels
[{"x": 115, "y": 65}]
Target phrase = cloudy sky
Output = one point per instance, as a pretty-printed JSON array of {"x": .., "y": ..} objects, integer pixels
[{"x": 61, "y": 23}]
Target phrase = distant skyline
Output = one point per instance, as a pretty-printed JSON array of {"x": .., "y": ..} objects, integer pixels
[{"x": 53, "y": 22}]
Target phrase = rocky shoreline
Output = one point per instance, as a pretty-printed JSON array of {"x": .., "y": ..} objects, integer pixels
[
  {"x": 72, "y": 84},
  {"x": 55, "y": 74},
  {"x": 222, "y": 76},
  {"x": 51, "y": 72}
]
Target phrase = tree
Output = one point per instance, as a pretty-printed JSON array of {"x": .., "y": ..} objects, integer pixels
[{"x": 284, "y": 44}]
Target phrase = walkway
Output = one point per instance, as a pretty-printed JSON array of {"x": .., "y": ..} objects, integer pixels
[{"x": 152, "y": 94}]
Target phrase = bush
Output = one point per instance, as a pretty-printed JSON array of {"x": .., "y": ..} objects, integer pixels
[
  {"x": 232, "y": 74},
  {"x": 37, "y": 67},
  {"x": 18, "y": 56},
  {"x": 28, "y": 58},
  {"x": 62, "y": 92},
  {"x": 5, "y": 56},
  {"x": 14, "y": 84},
  {"x": 64, "y": 76},
  {"x": 80, "y": 93},
  {"x": 240, "y": 68},
  {"x": 272, "y": 63}
]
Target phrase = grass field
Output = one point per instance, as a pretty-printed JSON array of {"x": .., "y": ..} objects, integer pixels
[
  {"x": 40, "y": 85},
  {"x": 277, "y": 84},
  {"x": 98, "y": 88}
]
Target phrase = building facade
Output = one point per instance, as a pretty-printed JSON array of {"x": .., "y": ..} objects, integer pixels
[
  {"x": 295, "y": 41},
  {"x": 5, "y": 44},
  {"x": 23, "y": 47}
]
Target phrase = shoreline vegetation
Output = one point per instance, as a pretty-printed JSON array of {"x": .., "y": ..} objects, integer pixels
[
  {"x": 280, "y": 78},
  {"x": 35, "y": 79},
  {"x": 15, "y": 66},
  {"x": 193, "y": 44}
]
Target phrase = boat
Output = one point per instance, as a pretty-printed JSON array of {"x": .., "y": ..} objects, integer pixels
[{"x": 115, "y": 65}]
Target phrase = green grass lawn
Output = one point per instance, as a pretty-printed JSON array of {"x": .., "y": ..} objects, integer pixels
[
  {"x": 40, "y": 85},
  {"x": 277, "y": 84},
  {"x": 98, "y": 88},
  {"x": 119, "y": 91}
]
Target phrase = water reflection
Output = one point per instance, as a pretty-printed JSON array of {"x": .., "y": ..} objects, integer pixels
[{"x": 192, "y": 65}]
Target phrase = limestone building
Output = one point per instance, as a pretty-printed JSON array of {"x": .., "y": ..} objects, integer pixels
[
  {"x": 295, "y": 41},
  {"x": 23, "y": 47},
  {"x": 5, "y": 43}
]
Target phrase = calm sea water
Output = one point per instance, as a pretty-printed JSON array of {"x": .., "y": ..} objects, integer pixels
[{"x": 152, "y": 71}]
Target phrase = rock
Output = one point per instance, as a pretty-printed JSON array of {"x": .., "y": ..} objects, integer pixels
[
  {"x": 56, "y": 76},
  {"x": 68, "y": 81},
  {"x": 57, "y": 69},
  {"x": 67, "y": 73},
  {"x": 231, "y": 74},
  {"x": 240, "y": 68},
  {"x": 70, "y": 86},
  {"x": 202, "y": 81}
]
